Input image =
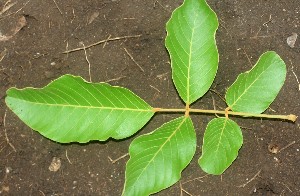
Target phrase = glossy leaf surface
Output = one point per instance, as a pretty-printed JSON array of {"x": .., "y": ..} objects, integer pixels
[
  {"x": 157, "y": 159},
  {"x": 222, "y": 140},
  {"x": 191, "y": 43},
  {"x": 70, "y": 109},
  {"x": 255, "y": 90}
]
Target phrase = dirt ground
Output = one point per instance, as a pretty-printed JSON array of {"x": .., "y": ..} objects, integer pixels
[{"x": 32, "y": 55}]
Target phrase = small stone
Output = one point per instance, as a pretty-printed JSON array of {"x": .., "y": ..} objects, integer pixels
[
  {"x": 273, "y": 148},
  {"x": 291, "y": 40},
  {"x": 8, "y": 170},
  {"x": 276, "y": 160},
  {"x": 55, "y": 164},
  {"x": 49, "y": 74},
  {"x": 5, "y": 188}
]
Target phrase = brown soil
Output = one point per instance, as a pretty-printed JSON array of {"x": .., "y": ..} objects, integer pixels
[{"x": 33, "y": 57}]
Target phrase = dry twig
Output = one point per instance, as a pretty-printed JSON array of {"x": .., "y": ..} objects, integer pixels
[
  {"x": 115, "y": 79},
  {"x": 16, "y": 11},
  {"x": 219, "y": 95},
  {"x": 161, "y": 76},
  {"x": 57, "y": 7},
  {"x": 6, "y": 137},
  {"x": 43, "y": 194},
  {"x": 157, "y": 2},
  {"x": 286, "y": 187},
  {"x": 131, "y": 57},
  {"x": 285, "y": 147},
  {"x": 198, "y": 178},
  {"x": 101, "y": 42},
  {"x": 214, "y": 104},
  {"x": 296, "y": 78},
  {"x": 116, "y": 160},
  {"x": 3, "y": 54},
  {"x": 187, "y": 192},
  {"x": 106, "y": 41},
  {"x": 68, "y": 157},
  {"x": 270, "y": 20},
  {"x": 87, "y": 60},
  {"x": 182, "y": 190},
  {"x": 7, "y": 6},
  {"x": 155, "y": 88},
  {"x": 247, "y": 57},
  {"x": 253, "y": 178}
]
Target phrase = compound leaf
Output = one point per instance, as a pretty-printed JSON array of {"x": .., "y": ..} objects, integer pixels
[
  {"x": 254, "y": 90},
  {"x": 222, "y": 140},
  {"x": 192, "y": 47},
  {"x": 157, "y": 159},
  {"x": 70, "y": 109}
]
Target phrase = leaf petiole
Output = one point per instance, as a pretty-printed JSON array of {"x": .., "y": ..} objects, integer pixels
[{"x": 290, "y": 117}]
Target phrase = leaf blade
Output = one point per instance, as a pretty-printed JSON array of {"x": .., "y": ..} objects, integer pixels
[
  {"x": 254, "y": 90},
  {"x": 221, "y": 142},
  {"x": 158, "y": 158},
  {"x": 192, "y": 47},
  {"x": 70, "y": 109}
]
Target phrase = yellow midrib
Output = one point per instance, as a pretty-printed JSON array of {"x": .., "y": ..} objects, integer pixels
[
  {"x": 189, "y": 64},
  {"x": 189, "y": 69},
  {"x": 88, "y": 107},
  {"x": 221, "y": 134}
]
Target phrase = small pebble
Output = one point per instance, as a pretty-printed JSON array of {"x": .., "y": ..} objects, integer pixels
[
  {"x": 291, "y": 40},
  {"x": 5, "y": 188},
  {"x": 8, "y": 170},
  {"x": 273, "y": 148},
  {"x": 49, "y": 74},
  {"x": 55, "y": 164}
]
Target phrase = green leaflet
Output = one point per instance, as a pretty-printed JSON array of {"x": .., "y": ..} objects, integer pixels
[
  {"x": 157, "y": 159},
  {"x": 254, "y": 90},
  {"x": 222, "y": 140},
  {"x": 70, "y": 109},
  {"x": 192, "y": 47}
]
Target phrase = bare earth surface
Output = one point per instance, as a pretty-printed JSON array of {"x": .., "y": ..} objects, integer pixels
[{"x": 32, "y": 56}]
